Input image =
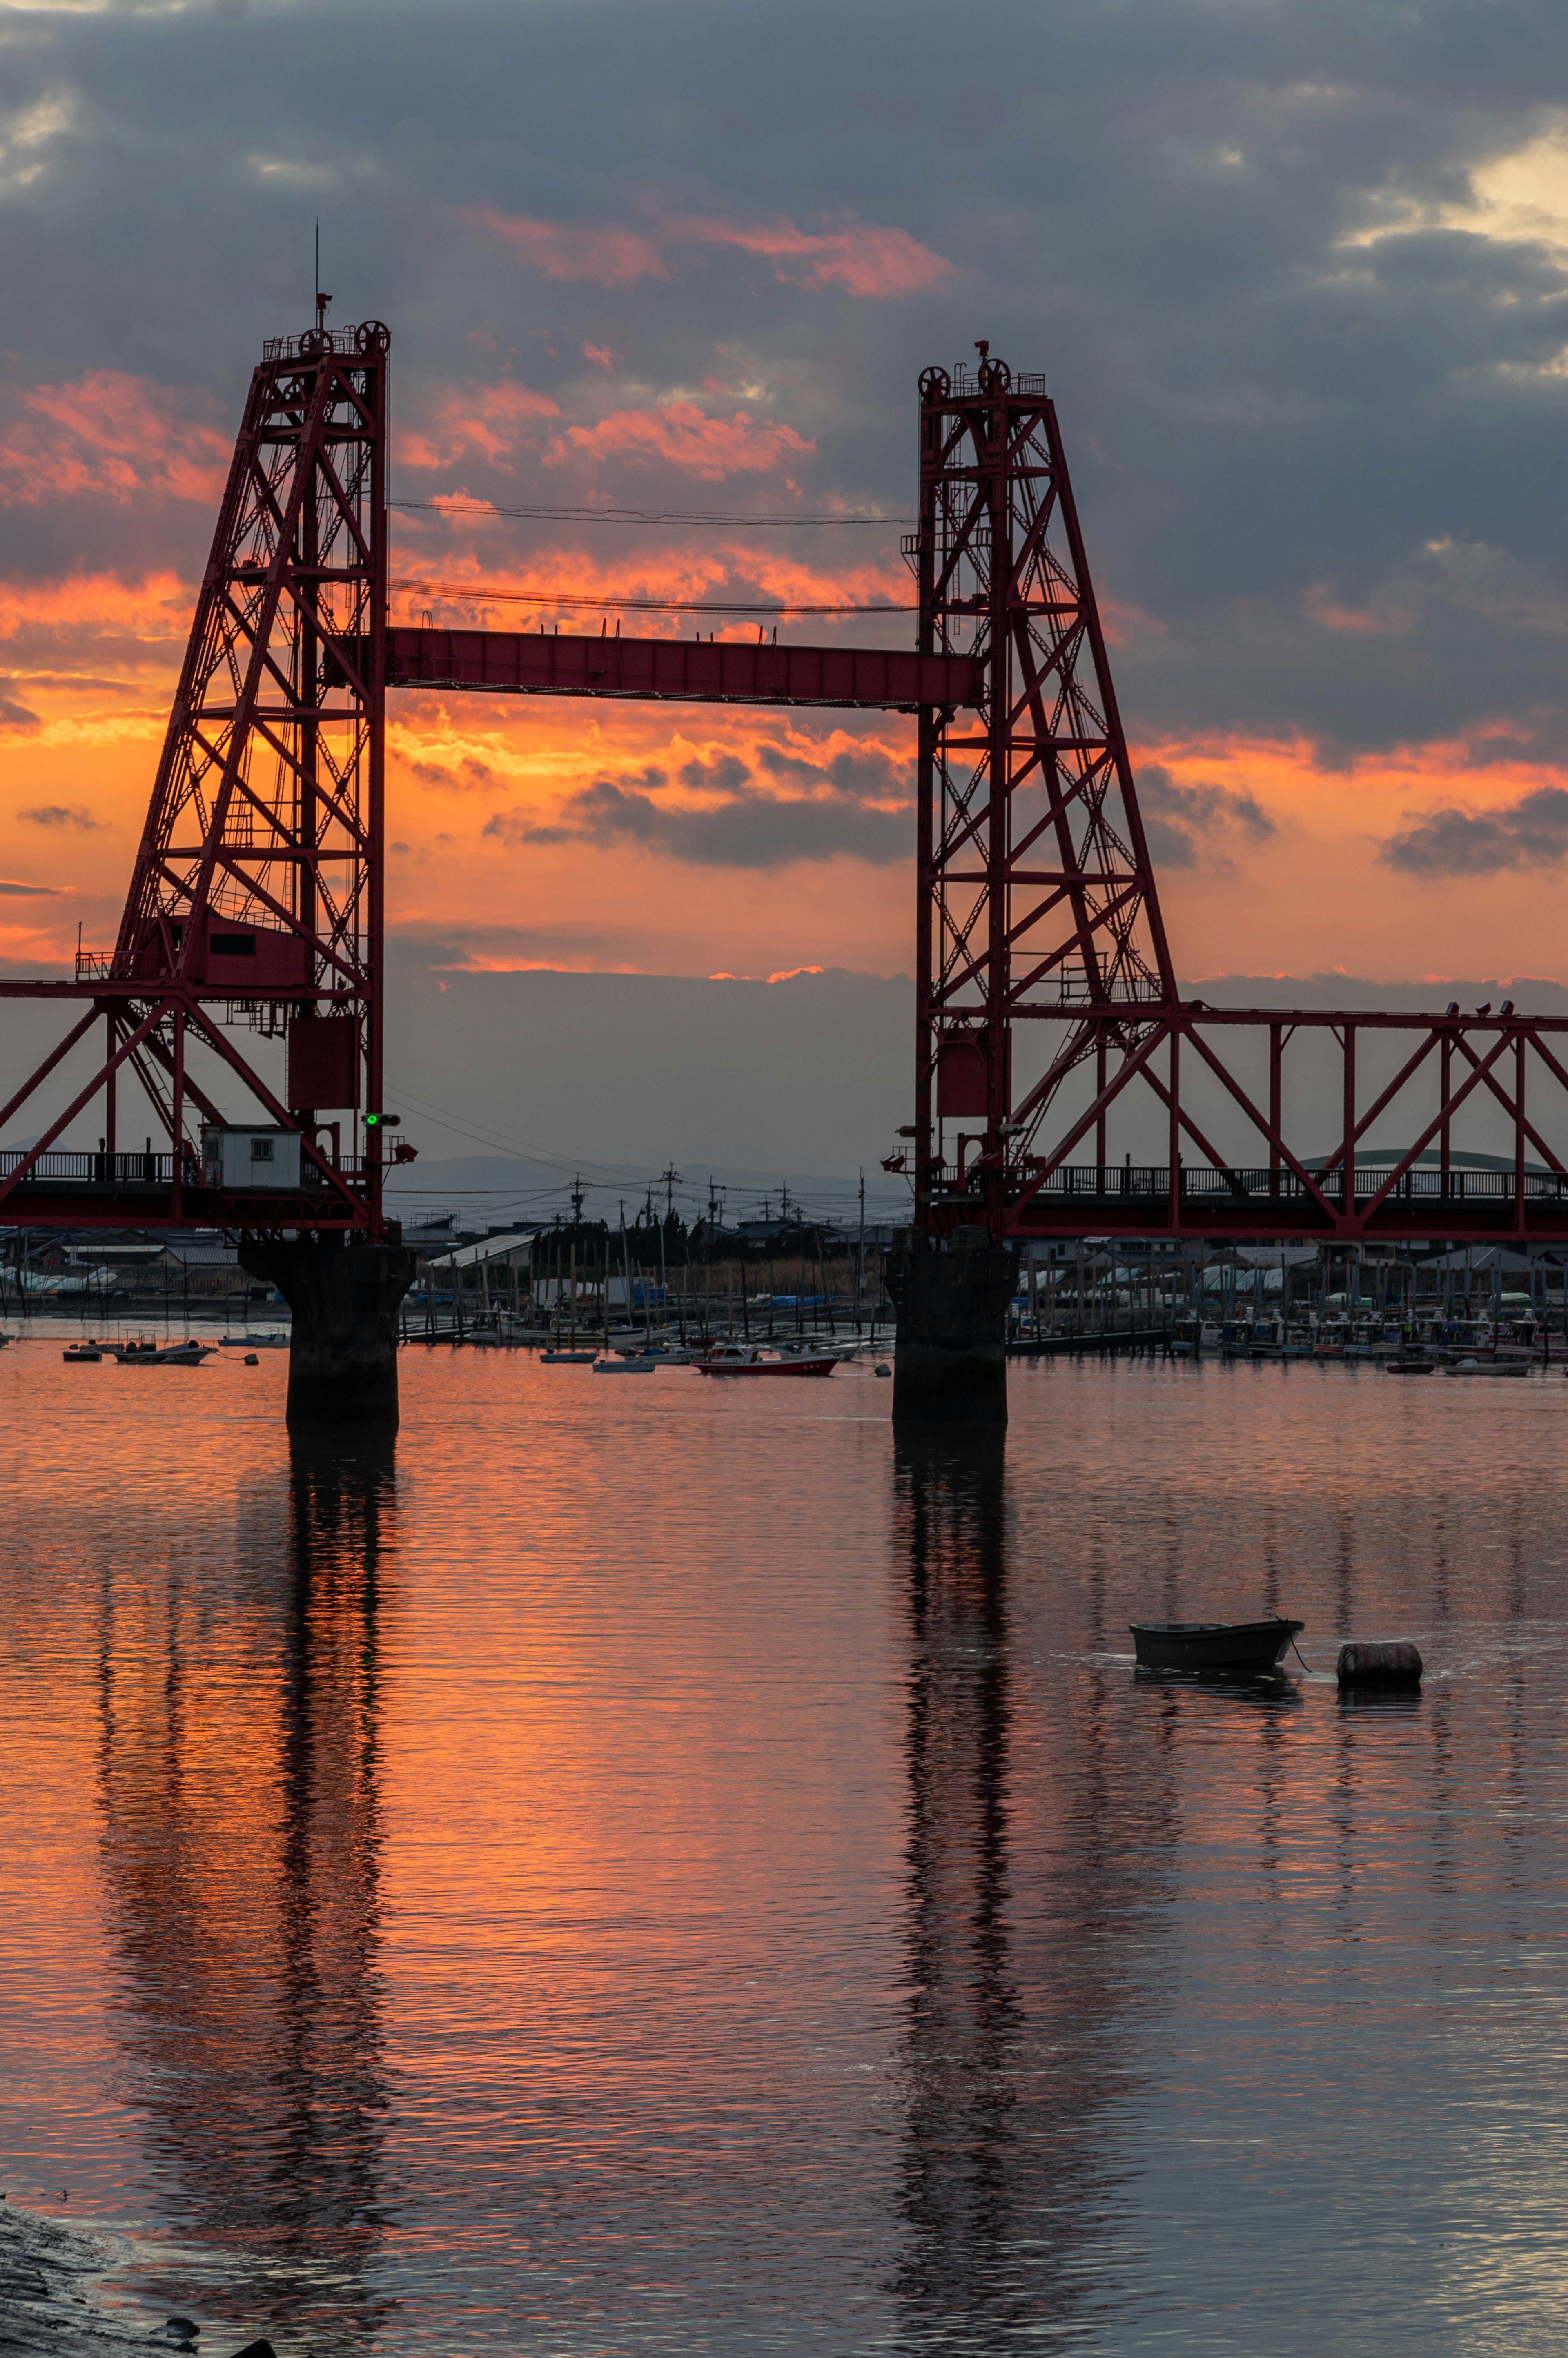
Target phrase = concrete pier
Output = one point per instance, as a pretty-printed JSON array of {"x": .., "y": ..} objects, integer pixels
[
  {"x": 950, "y": 1359},
  {"x": 344, "y": 1296}
]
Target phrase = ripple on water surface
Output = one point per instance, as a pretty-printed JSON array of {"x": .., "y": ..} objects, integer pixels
[{"x": 650, "y": 1868}]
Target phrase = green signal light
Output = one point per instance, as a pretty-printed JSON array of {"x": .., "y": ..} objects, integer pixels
[{"x": 384, "y": 1121}]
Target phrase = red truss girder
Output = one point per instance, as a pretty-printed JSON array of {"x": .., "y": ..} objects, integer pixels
[
  {"x": 701, "y": 671},
  {"x": 1427, "y": 1191}
]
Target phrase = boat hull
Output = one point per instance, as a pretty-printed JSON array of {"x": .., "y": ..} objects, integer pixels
[
  {"x": 766, "y": 1366},
  {"x": 1229, "y": 1648}
]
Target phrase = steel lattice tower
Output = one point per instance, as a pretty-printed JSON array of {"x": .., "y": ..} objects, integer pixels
[
  {"x": 1037, "y": 897},
  {"x": 256, "y": 898}
]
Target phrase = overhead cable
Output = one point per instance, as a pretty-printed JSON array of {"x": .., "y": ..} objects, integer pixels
[
  {"x": 644, "y": 515},
  {"x": 474, "y": 595}
]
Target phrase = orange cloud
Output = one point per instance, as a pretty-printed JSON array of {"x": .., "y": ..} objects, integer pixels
[
  {"x": 489, "y": 420},
  {"x": 681, "y": 434},
  {"x": 476, "y": 592},
  {"x": 613, "y": 257},
  {"x": 113, "y": 436},
  {"x": 1315, "y": 893},
  {"x": 856, "y": 255},
  {"x": 824, "y": 911},
  {"x": 158, "y": 606}
]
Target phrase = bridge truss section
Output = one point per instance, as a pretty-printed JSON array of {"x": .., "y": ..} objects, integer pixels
[
  {"x": 254, "y": 911},
  {"x": 1063, "y": 1086},
  {"x": 1037, "y": 904}
]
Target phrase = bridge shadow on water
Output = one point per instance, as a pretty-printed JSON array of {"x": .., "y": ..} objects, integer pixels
[{"x": 238, "y": 1773}]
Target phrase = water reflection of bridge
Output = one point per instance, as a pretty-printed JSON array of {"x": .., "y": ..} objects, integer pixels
[
  {"x": 1034, "y": 1855},
  {"x": 238, "y": 1780}
]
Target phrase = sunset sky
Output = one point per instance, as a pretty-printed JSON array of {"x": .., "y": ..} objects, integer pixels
[{"x": 1298, "y": 277}]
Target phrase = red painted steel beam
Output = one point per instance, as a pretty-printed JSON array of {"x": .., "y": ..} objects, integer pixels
[
  {"x": 1218, "y": 1223},
  {"x": 678, "y": 671},
  {"x": 47, "y": 1208}
]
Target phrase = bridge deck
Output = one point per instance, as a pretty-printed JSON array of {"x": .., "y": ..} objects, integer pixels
[{"x": 688, "y": 671}]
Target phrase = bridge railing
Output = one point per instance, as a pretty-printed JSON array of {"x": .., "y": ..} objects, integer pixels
[
  {"x": 68, "y": 1167},
  {"x": 1117, "y": 1182}
]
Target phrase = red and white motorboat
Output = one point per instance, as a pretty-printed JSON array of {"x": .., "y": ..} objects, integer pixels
[{"x": 746, "y": 1360}]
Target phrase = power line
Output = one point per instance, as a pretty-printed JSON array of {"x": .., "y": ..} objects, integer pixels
[
  {"x": 474, "y": 595},
  {"x": 647, "y": 515}
]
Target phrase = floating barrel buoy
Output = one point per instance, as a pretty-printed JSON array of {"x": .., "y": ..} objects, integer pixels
[
  {"x": 1394, "y": 1664},
  {"x": 884, "y": 1371},
  {"x": 252, "y": 1360}
]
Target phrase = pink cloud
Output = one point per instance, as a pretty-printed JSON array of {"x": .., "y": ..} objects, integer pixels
[
  {"x": 109, "y": 435},
  {"x": 680, "y": 435},
  {"x": 856, "y": 255},
  {"x": 613, "y": 257},
  {"x": 1364, "y": 622},
  {"x": 488, "y": 419},
  {"x": 600, "y": 355}
]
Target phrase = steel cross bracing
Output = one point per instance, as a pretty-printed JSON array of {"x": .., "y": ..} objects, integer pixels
[{"x": 1048, "y": 1018}]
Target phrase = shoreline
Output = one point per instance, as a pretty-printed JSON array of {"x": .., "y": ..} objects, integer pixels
[{"x": 49, "y": 2303}]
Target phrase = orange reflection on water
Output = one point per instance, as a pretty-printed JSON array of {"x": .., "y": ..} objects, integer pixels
[{"x": 636, "y": 1861}]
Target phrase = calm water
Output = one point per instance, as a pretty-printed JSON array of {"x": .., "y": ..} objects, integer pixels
[{"x": 655, "y": 1868}]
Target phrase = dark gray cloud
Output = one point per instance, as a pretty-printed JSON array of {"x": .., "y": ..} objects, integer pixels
[
  {"x": 1313, "y": 461},
  {"x": 868, "y": 776},
  {"x": 14, "y": 892},
  {"x": 1185, "y": 824},
  {"x": 1531, "y": 832},
  {"x": 743, "y": 826},
  {"x": 17, "y": 717},
  {"x": 462, "y": 778},
  {"x": 58, "y": 815}
]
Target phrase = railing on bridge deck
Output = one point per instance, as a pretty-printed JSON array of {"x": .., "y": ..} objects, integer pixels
[
  {"x": 1116, "y": 1188},
  {"x": 1119, "y": 1180},
  {"x": 128, "y": 1174}
]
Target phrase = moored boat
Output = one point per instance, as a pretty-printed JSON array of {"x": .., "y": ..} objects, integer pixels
[
  {"x": 162, "y": 1355},
  {"x": 747, "y": 1359},
  {"x": 1230, "y": 1646},
  {"x": 81, "y": 1354},
  {"x": 1489, "y": 1367}
]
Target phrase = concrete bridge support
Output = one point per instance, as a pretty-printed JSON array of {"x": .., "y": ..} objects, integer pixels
[
  {"x": 344, "y": 1296},
  {"x": 950, "y": 1358}
]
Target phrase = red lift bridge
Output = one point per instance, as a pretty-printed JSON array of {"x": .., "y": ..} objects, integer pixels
[{"x": 1048, "y": 1011}]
